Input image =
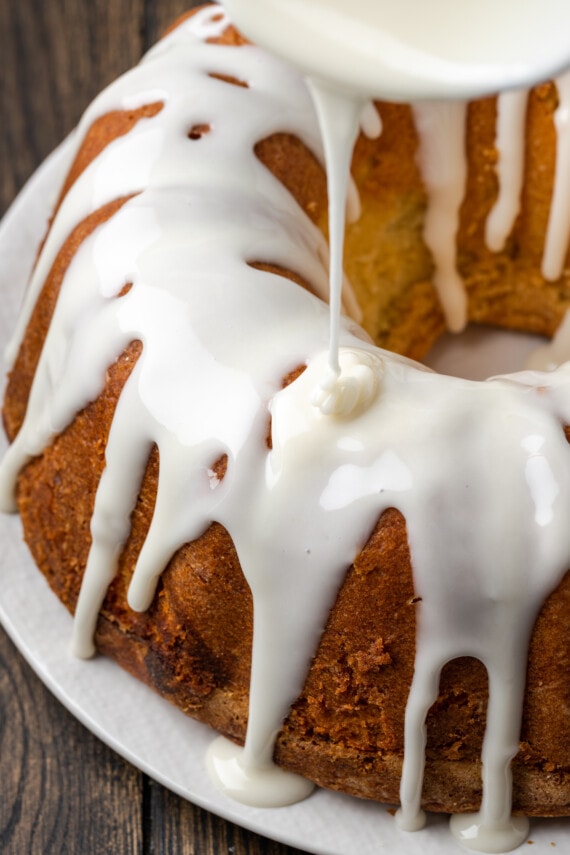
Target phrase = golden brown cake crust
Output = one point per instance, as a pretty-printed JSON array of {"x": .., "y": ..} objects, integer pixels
[{"x": 346, "y": 729}]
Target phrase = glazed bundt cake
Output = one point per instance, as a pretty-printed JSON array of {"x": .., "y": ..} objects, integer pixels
[{"x": 324, "y": 584}]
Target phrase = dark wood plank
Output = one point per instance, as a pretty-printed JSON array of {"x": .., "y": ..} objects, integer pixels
[
  {"x": 161, "y": 15},
  {"x": 180, "y": 827},
  {"x": 62, "y": 790},
  {"x": 56, "y": 56}
]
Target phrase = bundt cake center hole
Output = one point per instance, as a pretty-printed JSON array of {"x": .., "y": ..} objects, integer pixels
[{"x": 482, "y": 351}]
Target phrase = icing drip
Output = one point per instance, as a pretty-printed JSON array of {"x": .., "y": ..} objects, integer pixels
[
  {"x": 558, "y": 233},
  {"x": 443, "y": 165},
  {"x": 511, "y": 117},
  {"x": 340, "y": 119},
  {"x": 219, "y": 335}
]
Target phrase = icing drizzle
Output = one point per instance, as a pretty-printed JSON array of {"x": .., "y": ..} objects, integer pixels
[{"x": 218, "y": 336}]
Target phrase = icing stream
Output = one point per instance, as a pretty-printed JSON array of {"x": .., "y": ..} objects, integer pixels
[{"x": 218, "y": 335}]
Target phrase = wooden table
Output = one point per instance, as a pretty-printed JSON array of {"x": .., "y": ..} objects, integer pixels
[{"x": 62, "y": 790}]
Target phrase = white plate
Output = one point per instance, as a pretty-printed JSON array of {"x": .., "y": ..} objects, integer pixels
[{"x": 126, "y": 715}]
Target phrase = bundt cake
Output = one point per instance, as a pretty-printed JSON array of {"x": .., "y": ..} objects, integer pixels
[{"x": 333, "y": 585}]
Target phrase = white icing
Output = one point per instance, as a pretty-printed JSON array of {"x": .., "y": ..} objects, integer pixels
[
  {"x": 558, "y": 233},
  {"x": 511, "y": 119},
  {"x": 467, "y": 830},
  {"x": 352, "y": 388},
  {"x": 218, "y": 336},
  {"x": 441, "y": 154},
  {"x": 259, "y": 785},
  {"x": 340, "y": 120}
]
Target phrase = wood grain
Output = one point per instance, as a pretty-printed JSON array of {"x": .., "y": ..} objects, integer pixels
[{"x": 61, "y": 789}]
